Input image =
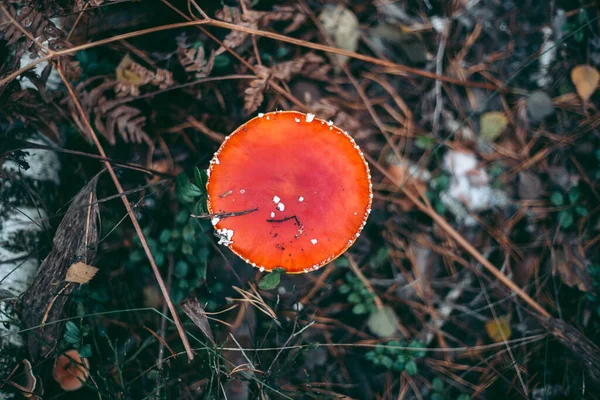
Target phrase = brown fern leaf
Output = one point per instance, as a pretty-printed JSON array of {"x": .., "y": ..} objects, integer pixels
[
  {"x": 194, "y": 61},
  {"x": 34, "y": 21},
  {"x": 254, "y": 94},
  {"x": 108, "y": 115},
  {"x": 129, "y": 122},
  {"x": 287, "y": 69},
  {"x": 255, "y": 19}
]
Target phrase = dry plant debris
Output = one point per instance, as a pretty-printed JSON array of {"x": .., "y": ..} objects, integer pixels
[{"x": 476, "y": 276}]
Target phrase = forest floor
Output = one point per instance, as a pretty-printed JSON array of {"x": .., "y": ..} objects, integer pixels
[{"x": 477, "y": 274}]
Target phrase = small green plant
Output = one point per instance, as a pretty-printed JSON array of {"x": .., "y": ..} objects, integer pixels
[
  {"x": 572, "y": 209},
  {"x": 397, "y": 356},
  {"x": 75, "y": 334},
  {"x": 358, "y": 295},
  {"x": 272, "y": 279},
  {"x": 188, "y": 192},
  {"x": 436, "y": 186},
  {"x": 570, "y": 27},
  {"x": 185, "y": 244}
]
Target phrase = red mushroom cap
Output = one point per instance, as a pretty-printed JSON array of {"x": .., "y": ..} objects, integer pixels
[{"x": 305, "y": 186}]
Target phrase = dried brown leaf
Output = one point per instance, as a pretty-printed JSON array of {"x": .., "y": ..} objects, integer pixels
[
  {"x": 192, "y": 308},
  {"x": 194, "y": 61},
  {"x": 254, "y": 20},
  {"x": 80, "y": 273},
  {"x": 586, "y": 79},
  {"x": 254, "y": 94}
]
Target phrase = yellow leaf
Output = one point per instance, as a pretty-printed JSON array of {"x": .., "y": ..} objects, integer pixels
[
  {"x": 126, "y": 75},
  {"x": 499, "y": 329},
  {"x": 80, "y": 273},
  {"x": 492, "y": 124},
  {"x": 586, "y": 79}
]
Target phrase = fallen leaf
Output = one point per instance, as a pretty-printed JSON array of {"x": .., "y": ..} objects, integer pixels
[
  {"x": 492, "y": 124},
  {"x": 80, "y": 273},
  {"x": 499, "y": 329},
  {"x": 192, "y": 308},
  {"x": 341, "y": 25},
  {"x": 586, "y": 79},
  {"x": 383, "y": 323}
]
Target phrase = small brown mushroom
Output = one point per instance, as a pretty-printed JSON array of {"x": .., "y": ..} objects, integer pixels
[{"x": 70, "y": 370}]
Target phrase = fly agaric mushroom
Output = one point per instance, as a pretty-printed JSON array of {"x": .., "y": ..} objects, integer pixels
[
  {"x": 70, "y": 371},
  {"x": 288, "y": 191}
]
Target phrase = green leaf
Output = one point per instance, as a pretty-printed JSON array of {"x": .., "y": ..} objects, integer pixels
[
  {"x": 574, "y": 194},
  {"x": 354, "y": 298},
  {"x": 557, "y": 199},
  {"x": 222, "y": 60},
  {"x": 342, "y": 262},
  {"x": 398, "y": 366},
  {"x": 136, "y": 256},
  {"x": 270, "y": 281},
  {"x": 565, "y": 218},
  {"x": 71, "y": 328},
  {"x": 359, "y": 309},
  {"x": 186, "y": 191},
  {"x": 181, "y": 269},
  {"x": 438, "y": 385},
  {"x": 440, "y": 208},
  {"x": 387, "y": 362},
  {"x": 159, "y": 258},
  {"x": 85, "y": 351},
  {"x": 411, "y": 368},
  {"x": 463, "y": 397},
  {"x": 165, "y": 236},
  {"x": 581, "y": 210},
  {"x": 380, "y": 258},
  {"x": 425, "y": 142},
  {"x": 344, "y": 289},
  {"x": 201, "y": 177}
]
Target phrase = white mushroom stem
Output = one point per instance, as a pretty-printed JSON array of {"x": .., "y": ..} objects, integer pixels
[{"x": 24, "y": 194}]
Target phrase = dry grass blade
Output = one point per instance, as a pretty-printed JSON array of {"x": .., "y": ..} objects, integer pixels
[
  {"x": 254, "y": 298},
  {"x": 131, "y": 214}
]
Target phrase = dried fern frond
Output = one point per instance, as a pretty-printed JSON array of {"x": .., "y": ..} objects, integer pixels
[{"x": 249, "y": 18}]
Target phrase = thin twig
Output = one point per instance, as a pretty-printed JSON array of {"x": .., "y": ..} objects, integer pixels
[
  {"x": 439, "y": 63},
  {"x": 134, "y": 220}
]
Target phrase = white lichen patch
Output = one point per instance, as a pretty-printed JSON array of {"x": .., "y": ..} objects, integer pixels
[
  {"x": 225, "y": 236},
  {"x": 280, "y": 206},
  {"x": 313, "y": 241},
  {"x": 276, "y": 199},
  {"x": 310, "y": 117}
]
